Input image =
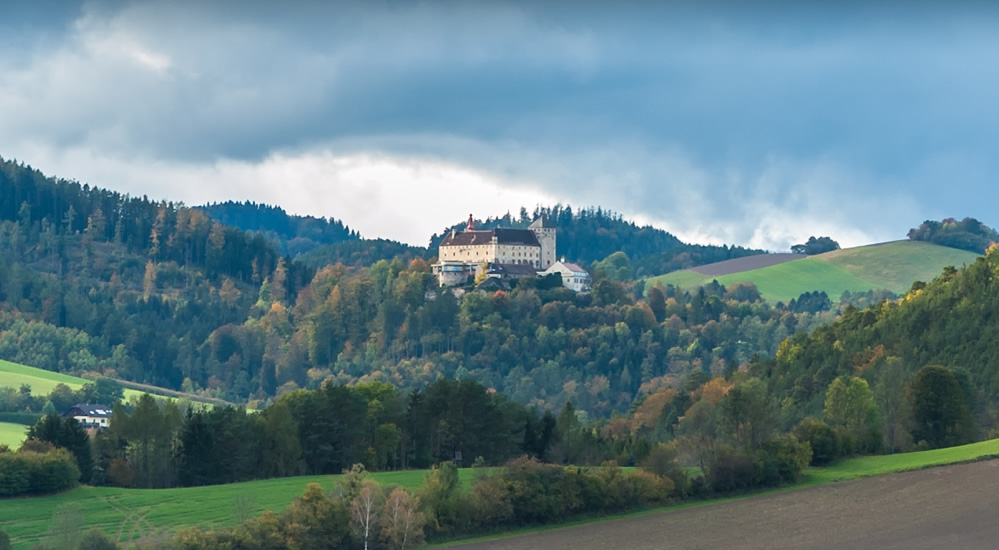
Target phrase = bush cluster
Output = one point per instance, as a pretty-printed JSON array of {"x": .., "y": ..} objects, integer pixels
[{"x": 35, "y": 473}]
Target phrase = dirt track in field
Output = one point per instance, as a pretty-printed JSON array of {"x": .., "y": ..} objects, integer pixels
[
  {"x": 738, "y": 265},
  {"x": 949, "y": 507}
]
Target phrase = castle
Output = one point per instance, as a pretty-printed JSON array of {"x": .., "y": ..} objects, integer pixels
[{"x": 463, "y": 254}]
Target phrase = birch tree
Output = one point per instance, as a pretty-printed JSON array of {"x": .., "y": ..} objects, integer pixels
[
  {"x": 365, "y": 509},
  {"x": 402, "y": 521}
]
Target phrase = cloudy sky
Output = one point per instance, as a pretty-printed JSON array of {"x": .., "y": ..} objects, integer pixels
[{"x": 717, "y": 121}]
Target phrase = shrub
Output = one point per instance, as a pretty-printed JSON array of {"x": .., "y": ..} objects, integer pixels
[
  {"x": 822, "y": 439},
  {"x": 28, "y": 472},
  {"x": 730, "y": 472},
  {"x": 95, "y": 539},
  {"x": 784, "y": 458}
]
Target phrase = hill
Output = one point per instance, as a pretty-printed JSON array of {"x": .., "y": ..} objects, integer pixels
[
  {"x": 950, "y": 322},
  {"x": 42, "y": 382},
  {"x": 292, "y": 235},
  {"x": 365, "y": 252},
  {"x": 892, "y": 266},
  {"x": 588, "y": 235},
  {"x": 13, "y": 375}
]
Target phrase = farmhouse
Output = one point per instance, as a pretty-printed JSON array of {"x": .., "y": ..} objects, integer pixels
[{"x": 91, "y": 416}]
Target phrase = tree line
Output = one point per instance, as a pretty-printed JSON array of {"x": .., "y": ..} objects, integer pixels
[{"x": 967, "y": 234}]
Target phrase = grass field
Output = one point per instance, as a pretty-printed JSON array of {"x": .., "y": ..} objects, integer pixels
[
  {"x": 131, "y": 513},
  {"x": 868, "y": 466},
  {"x": 127, "y": 513},
  {"x": 893, "y": 266},
  {"x": 12, "y": 375},
  {"x": 12, "y": 435},
  {"x": 41, "y": 381}
]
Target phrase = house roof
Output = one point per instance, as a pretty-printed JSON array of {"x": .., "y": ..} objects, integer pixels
[
  {"x": 493, "y": 283},
  {"x": 92, "y": 410},
  {"x": 524, "y": 237},
  {"x": 573, "y": 267},
  {"x": 514, "y": 270}
]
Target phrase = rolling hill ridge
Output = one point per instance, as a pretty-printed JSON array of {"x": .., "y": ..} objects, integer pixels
[{"x": 892, "y": 266}]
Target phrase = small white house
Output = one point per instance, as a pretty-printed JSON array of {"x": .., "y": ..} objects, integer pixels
[{"x": 574, "y": 277}]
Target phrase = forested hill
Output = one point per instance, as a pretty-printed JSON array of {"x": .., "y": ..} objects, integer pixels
[
  {"x": 591, "y": 234},
  {"x": 47, "y": 211},
  {"x": 94, "y": 281},
  {"x": 99, "y": 282},
  {"x": 293, "y": 235},
  {"x": 952, "y": 321},
  {"x": 363, "y": 252}
]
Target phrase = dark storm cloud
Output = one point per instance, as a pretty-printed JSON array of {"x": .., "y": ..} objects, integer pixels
[{"x": 714, "y": 118}]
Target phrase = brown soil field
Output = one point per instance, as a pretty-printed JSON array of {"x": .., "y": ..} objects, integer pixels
[
  {"x": 948, "y": 507},
  {"x": 738, "y": 265}
]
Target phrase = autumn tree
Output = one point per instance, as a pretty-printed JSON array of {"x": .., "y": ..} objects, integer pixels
[
  {"x": 365, "y": 510},
  {"x": 402, "y": 522}
]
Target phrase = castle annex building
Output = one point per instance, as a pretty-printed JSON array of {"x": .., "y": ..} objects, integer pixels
[{"x": 463, "y": 253}]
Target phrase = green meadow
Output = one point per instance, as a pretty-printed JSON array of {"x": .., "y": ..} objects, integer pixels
[
  {"x": 893, "y": 266},
  {"x": 12, "y": 435},
  {"x": 128, "y": 514},
  {"x": 42, "y": 382}
]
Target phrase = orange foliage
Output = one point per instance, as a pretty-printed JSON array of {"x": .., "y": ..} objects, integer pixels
[
  {"x": 714, "y": 390},
  {"x": 647, "y": 414}
]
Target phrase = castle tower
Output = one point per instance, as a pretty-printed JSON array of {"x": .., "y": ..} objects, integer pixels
[{"x": 545, "y": 233}]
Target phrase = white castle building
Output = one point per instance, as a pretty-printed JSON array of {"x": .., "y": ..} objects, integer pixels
[{"x": 463, "y": 253}]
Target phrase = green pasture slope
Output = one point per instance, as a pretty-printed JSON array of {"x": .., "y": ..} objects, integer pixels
[
  {"x": 131, "y": 513},
  {"x": 893, "y": 266},
  {"x": 12, "y": 435},
  {"x": 42, "y": 382}
]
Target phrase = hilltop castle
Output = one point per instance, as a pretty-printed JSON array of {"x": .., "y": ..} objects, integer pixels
[{"x": 462, "y": 254}]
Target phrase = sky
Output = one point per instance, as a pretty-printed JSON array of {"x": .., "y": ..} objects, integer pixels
[{"x": 749, "y": 123}]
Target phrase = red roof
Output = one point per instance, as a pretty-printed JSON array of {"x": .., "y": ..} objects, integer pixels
[{"x": 524, "y": 237}]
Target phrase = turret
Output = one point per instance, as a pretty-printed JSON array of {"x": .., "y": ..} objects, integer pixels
[{"x": 545, "y": 233}]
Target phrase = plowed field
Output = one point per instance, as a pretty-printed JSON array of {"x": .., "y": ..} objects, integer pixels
[{"x": 947, "y": 507}]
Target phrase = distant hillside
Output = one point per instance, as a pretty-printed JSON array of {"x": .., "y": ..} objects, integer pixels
[
  {"x": 591, "y": 234},
  {"x": 364, "y": 252},
  {"x": 42, "y": 382},
  {"x": 950, "y": 322},
  {"x": 293, "y": 235},
  {"x": 892, "y": 266}
]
